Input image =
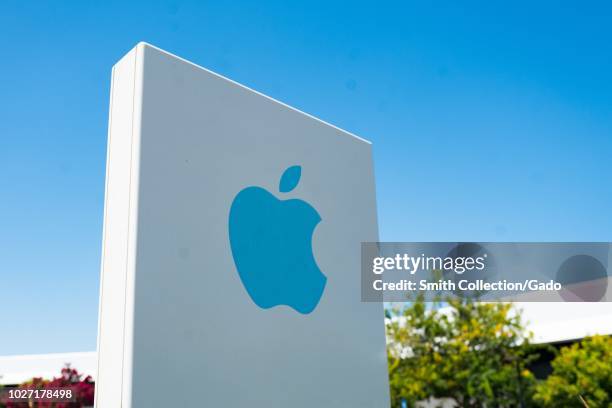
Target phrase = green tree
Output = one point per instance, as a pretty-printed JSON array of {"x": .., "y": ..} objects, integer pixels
[
  {"x": 582, "y": 376},
  {"x": 474, "y": 353}
]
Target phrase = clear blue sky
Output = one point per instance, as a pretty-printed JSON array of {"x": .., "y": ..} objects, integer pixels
[{"x": 489, "y": 122}]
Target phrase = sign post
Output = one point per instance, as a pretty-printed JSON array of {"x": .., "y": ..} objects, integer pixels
[{"x": 231, "y": 249}]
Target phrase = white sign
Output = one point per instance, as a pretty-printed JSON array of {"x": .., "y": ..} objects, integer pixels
[{"x": 231, "y": 257}]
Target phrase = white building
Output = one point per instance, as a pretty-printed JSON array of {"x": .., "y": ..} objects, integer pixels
[{"x": 17, "y": 369}]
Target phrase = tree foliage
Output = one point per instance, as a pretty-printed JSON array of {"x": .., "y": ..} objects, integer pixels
[
  {"x": 582, "y": 376},
  {"x": 82, "y": 389},
  {"x": 474, "y": 353}
]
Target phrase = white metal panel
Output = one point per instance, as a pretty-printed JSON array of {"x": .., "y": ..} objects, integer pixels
[
  {"x": 116, "y": 235},
  {"x": 198, "y": 338}
]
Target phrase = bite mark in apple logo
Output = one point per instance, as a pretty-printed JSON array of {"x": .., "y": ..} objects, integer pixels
[{"x": 271, "y": 242}]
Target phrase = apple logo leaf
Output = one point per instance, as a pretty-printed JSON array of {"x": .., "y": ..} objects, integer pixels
[{"x": 290, "y": 179}]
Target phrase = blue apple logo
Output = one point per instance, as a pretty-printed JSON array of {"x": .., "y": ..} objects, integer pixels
[{"x": 271, "y": 242}]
